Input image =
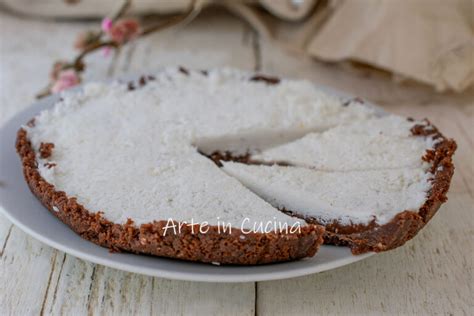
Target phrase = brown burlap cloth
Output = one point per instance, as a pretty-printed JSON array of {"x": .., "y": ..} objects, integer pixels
[{"x": 430, "y": 41}]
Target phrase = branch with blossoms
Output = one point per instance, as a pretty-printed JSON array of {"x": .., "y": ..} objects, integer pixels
[{"x": 114, "y": 33}]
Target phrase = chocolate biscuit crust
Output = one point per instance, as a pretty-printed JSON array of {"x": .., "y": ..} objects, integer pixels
[{"x": 214, "y": 246}]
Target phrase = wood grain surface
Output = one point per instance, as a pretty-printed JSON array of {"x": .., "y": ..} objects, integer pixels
[{"x": 432, "y": 274}]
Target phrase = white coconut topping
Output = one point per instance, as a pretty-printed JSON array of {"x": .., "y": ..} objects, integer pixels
[
  {"x": 132, "y": 154},
  {"x": 377, "y": 143},
  {"x": 226, "y": 111},
  {"x": 135, "y": 154},
  {"x": 352, "y": 197}
]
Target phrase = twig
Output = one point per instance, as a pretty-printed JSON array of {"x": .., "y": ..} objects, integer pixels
[
  {"x": 91, "y": 48},
  {"x": 96, "y": 42}
]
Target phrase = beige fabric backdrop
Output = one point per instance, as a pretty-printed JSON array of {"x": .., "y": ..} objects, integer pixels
[{"x": 430, "y": 41}]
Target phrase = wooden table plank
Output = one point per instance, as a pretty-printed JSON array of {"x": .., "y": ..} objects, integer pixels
[
  {"x": 25, "y": 269},
  {"x": 78, "y": 287},
  {"x": 203, "y": 298}
]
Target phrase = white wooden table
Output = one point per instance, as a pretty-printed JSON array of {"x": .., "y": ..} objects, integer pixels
[{"x": 432, "y": 274}]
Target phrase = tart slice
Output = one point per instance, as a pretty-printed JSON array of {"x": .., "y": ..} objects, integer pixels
[
  {"x": 372, "y": 184},
  {"x": 386, "y": 142}
]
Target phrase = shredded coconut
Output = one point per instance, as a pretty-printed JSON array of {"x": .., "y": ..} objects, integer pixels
[{"x": 134, "y": 154}]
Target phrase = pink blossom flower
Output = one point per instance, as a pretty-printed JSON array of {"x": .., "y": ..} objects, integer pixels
[
  {"x": 66, "y": 79},
  {"x": 57, "y": 68},
  {"x": 106, "y": 25},
  {"x": 124, "y": 30}
]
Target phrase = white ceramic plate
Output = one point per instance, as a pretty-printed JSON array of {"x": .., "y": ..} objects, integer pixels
[{"x": 22, "y": 208}]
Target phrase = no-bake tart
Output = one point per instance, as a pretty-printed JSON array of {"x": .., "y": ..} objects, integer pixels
[{"x": 229, "y": 167}]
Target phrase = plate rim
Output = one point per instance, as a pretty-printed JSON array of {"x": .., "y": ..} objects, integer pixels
[
  {"x": 163, "y": 272},
  {"x": 189, "y": 276}
]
